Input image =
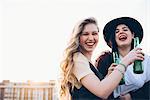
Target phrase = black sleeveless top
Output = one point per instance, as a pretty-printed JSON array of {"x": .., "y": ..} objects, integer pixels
[{"x": 83, "y": 93}]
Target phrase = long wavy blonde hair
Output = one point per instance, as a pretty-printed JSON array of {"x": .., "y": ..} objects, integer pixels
[{"x": 68, "y": 80}]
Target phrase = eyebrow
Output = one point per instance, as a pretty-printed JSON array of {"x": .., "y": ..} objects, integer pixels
[
  {"x": 122, "y": 27},
  {"x": 88, "y": 31}
]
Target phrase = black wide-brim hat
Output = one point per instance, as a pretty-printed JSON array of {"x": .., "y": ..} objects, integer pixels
[{"x": 132, "y": 23}]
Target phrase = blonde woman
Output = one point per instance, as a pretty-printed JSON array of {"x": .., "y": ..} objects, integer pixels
[{"x": 80, "y": 79}]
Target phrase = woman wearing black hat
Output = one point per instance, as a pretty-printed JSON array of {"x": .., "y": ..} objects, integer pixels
[{"x": 119, "y": 35}]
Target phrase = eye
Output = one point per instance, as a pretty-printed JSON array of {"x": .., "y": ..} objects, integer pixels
[
  {"x": 125, "y": 29},
  {"x": 95, "y": 33},
  {"x": 116, "y": 31},
  {"x": 85, "y": 33}
]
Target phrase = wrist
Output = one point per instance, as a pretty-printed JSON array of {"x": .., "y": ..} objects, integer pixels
[
  {"x": 121, "y": 70},
  {"x": 123, "y": 65}
]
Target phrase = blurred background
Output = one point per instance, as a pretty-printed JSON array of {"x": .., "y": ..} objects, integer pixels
[{"x": 34, "y": 33}]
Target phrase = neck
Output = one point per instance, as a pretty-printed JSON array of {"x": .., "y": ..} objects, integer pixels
[
  {"x": 124, "y": 51},
  {"x": 88, "y": 55}
]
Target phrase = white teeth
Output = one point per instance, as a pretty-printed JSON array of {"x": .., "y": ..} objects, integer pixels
[
  {"x": 122, "y": 37},
  {"x": 90, "y": 43}
]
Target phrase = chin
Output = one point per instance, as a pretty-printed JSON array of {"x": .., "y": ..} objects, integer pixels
[
  {"x": 123, "y": 45},
  {"x": 90, "y": 50}
]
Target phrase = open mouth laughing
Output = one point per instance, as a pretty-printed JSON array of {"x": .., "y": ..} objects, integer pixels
[
  {"x": 122, "y": 37},
  {"x": 90, "y": 44}
]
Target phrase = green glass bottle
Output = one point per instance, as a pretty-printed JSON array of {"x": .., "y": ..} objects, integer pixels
[
  {"x": 117, "y": 61},
  {"x": 137, "y": 67}
]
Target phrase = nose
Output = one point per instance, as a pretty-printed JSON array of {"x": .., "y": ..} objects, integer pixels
[
  {"x": 90, "y": 37},
  {"x": 121, "y": 31}
]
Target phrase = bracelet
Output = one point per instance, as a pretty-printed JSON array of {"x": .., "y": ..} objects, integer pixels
[
  {"x": 125, "y": 67},
  {"x": 122, "y": 72}
]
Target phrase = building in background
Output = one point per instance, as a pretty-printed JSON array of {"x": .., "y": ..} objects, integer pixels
[{"x": 28, "y": 90}]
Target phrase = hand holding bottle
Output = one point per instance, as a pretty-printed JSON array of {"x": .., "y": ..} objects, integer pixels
[
  {"x": 135, "y": 54},
  {"x": 137, "y": 67}
]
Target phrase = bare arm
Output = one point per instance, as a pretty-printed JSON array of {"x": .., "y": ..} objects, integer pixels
[
  {"x": 105, "y": 87},
  {"x": 102, "y": 88}
]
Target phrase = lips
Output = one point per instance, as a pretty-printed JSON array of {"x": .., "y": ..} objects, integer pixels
[
  {"x": 122, "y": 37},
  {"x": 90, "y": 43}
]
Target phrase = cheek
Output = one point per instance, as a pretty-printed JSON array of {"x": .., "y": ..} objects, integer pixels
[
  {"x": 81, "y": 40},
  {"x": 132, "y": 36},
  {"x": 96, "y": 38},
  {"x": 131, "y": 40},
  {"x": 116, "y": 37}
]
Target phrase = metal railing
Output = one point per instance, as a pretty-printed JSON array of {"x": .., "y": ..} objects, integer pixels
[{"x": 28, "y": 91}]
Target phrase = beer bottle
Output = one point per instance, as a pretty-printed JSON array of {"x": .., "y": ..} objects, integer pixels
[
  {"x": 137, "y": 67},
  {"x": 117, "y": 61}
]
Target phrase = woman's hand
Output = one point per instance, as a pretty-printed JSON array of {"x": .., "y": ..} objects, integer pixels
[
  {"x": 111, "y": 68},
  {"x": 135, "y": 54},
  {"x": 102, "y": 54},
  {"x": 126, "y": 97}
]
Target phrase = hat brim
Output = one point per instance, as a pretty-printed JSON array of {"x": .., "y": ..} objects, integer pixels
[{"x": 133, "y": 25}]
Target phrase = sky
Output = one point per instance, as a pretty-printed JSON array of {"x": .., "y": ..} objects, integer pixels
[{"x": 34, "y": 33}]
